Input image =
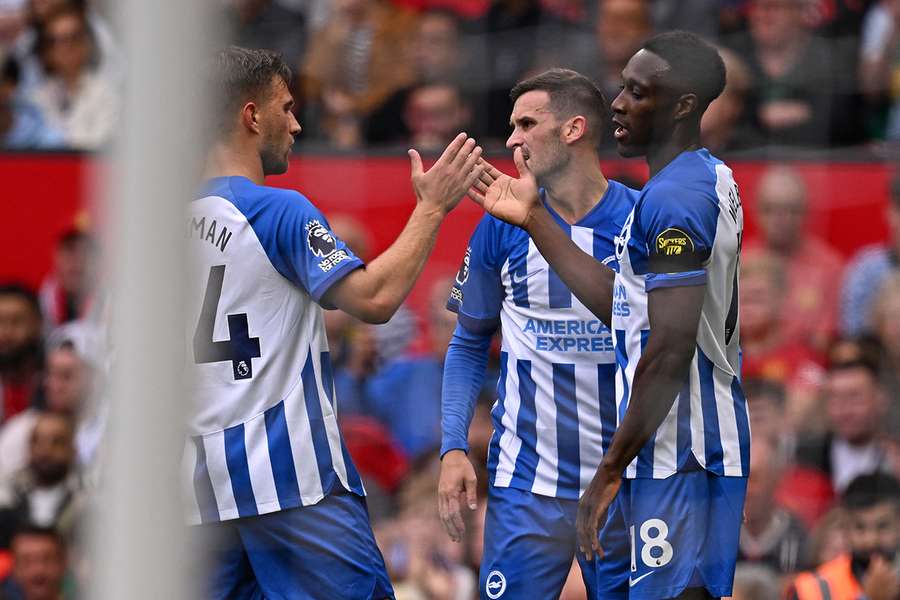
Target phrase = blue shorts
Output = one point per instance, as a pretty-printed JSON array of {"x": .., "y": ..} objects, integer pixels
[
  {"x": 684, "y": 532},
  {"x": 529, "y": 544},
  {"x": 326, "y": 550}
]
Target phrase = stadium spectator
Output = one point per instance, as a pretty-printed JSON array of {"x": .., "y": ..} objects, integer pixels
[
  {"x": 809, "y": 311},
  {"x": 698, "y": 16},
  {"x": 69, "y": 292},
  {"x": 12, "y": 22},
  {"x": 622, "y": 26},
  {"x": 269, "y": 24},
  {"x": 768, "y": 351},
  {"x": 76, "y": 97},
  {"x": 770, "y": 535},
  {"x": 71, "y": 381},
  {"x": 49, "y": 492},
  {"x": 438, "y": 56},
  {"x": 39, "y": 566},
  {"x": 872, "y": 503},
  {"x": 886, "y": 324},
  {"x": 828, "y": 539},
  {"x": 868, "y": 269},
  {"x": 755, "y": 582},
  {"x": 855, "y": 407},
  {"x": 767, "y": 399},
  {"x": 434, "y": 112},
  {"x": 21, "y": 350},
  {"x": 723, "y": 126},
  {"x": 878, "y": 69},
  {"x": 22, "y": 125},
  {"x": 800, "y": 78},
  {"x": 354, "y": 63}
]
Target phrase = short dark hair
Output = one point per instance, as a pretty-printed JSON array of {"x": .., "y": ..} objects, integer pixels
[
  {"x": 239, "y": 75},
  {"x": 18, "y": 290},
  {"x": 571, "y": 93},
  {"x": 696, "y": 66},
  {"x": 868, "y": 490},
  {"x": 860, "y": 352}
]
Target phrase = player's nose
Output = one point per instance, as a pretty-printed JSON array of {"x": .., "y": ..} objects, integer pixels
[
  {"x": 514, "y": 140},
  {"x": 618, "y": 103}
]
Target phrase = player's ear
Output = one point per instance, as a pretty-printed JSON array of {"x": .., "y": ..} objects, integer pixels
[
  {"x": 574, "y": 129},
  {"x": 250, "y": 117},
  {"x": 685, "y": 105}
]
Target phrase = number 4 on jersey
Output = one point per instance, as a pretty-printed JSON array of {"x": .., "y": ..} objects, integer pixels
[{"x": 240, "y": 348}]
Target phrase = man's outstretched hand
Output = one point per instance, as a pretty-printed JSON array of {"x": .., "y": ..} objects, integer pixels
[{"x": 507, "y": 198}]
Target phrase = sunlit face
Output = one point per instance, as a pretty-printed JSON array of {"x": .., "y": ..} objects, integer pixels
[
  {"x": 639, "y": 111},
  {"x": 538, "y": 132},
  {"x": 781, "y": 208},
  {"x": 278, "y": 128}
]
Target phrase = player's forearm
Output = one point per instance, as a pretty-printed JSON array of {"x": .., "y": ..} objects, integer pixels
[
  {"x": 590, "y": 280},
  {"x": 464, "y": 368},
  {"x": 391, "y": 276},
  {"x": 658, "y": 378}
]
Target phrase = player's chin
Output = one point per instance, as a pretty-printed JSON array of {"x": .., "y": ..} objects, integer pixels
[{"x": 626, "y": 150}]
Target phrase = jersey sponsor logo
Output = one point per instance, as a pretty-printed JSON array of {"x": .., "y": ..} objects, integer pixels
[
  {"x": 567, "y": 335},
  {"x": 620, "y": 307},
  {"x": 463, "y": 275},
  {"x": 333, "y": 259},
  {"x": 674, "y": 242},
  {"x": 495, "y": 585},
  {"x": 319, "y": 239}
]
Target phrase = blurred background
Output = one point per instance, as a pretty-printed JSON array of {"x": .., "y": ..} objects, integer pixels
[{"x": 809, "y": 121}]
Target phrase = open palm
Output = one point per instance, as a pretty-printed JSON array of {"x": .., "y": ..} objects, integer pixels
[{"x": 508, "y": 198}]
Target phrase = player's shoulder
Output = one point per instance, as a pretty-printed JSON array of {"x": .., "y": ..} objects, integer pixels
[
  {"x": 620, "y": 196},
  {"x": 255, "y": 200},
  {"x": 689, "y": 180}
]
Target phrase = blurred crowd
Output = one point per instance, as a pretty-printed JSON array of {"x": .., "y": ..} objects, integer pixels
[
  {"x": 369, "y": 73},
  {"x": 821, "y": 370}
]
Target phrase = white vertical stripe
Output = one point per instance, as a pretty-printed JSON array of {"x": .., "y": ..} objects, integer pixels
[
  {"x": 698, "y": 439},
  {"x": 584, "y": 239},
  {"x": 731, "y": 447},
  {"x": 547, "y": 473},
  {"x": 590, "y": 437},
  {"x": 304, "y": 453},
  {"x": 509, "y": 441},
  {"x": 188, "y": 464},
  {"x": 214, "y": 446},
  {"x": 329, "y": 420},
  {"x": 538, "y": 272},
  {"x": 665, "y": 453},
  {"x": 262, "y": 480}
]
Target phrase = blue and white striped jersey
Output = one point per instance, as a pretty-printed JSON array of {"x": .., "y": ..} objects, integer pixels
[
  {"x": 555, "y": 412},
  {"x": 262, "y": 431},
  {"x": 690, "y": 206}
]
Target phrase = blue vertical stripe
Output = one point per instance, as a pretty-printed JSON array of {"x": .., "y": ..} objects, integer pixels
[
  {"x": 621, "y": 366},
  {"x": 281, "y": 456},
  {"x": 645, "y": 456},
  {"x": 526, "y": 429},
  {"x": 518, "y": 271},
  {"x": 353, "y": 478},
  {"x": 203, "y": 489},
  {"x": 683, "y": 429},
  {"x": 567, "y": 434},
  {"x": 713, "y": 440},
  {"x": 606, "y": 386},
  {"x": 559, "y": 295},
  {"x": 239, "y": 471},
  {"x": 497, "y": 417},
  {"x": 743, "y": 424},
  {"x": 317, "y": 426}
]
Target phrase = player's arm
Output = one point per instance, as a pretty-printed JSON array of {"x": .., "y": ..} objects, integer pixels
[
  {"x": 464, "y": 368},
  {"x": 375, "y": 292},
  {"x": 517, "y": 201}
]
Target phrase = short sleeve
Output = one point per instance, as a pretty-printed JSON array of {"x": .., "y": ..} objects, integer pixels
[
  {"x": 477, "y": 293},
  {"x": 300, "y": 243},
  {"x": 679, "y": 227}
]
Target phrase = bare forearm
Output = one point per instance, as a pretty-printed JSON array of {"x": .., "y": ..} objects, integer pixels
[{"x": 590, "y": 280}]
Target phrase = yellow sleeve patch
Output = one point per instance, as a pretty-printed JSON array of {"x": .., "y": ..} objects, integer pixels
[{"x": 674, "y": 242}]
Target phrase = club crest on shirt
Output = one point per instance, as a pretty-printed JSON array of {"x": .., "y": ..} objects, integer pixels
[
  {"x": 319, "y": 239},
  {"x": 495, "y": 585},
  {"x": 673, "y": 242}
]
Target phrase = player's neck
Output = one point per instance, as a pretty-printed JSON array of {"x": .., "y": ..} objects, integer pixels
[
  {"x": 227, "y": 160},
  {"x": 662, "y": 153},
  {"x": 574, "y": 191}
]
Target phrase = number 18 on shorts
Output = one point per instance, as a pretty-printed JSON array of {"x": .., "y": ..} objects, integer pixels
[{"x": 684, "y": 533}]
